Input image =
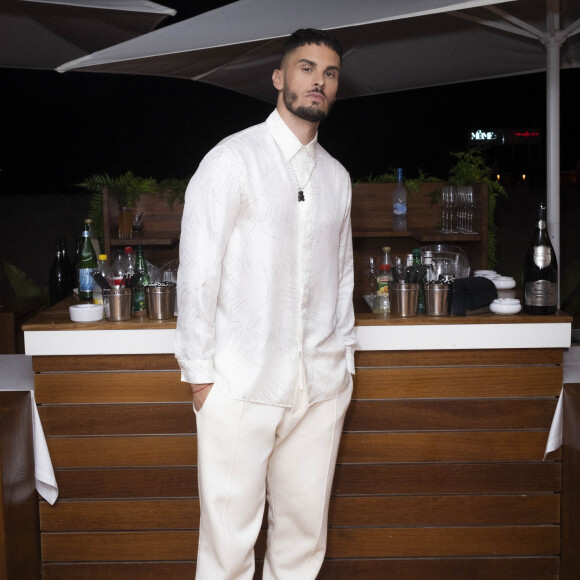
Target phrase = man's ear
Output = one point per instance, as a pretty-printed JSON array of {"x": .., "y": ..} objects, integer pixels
[{"x": 278, "y": 79}]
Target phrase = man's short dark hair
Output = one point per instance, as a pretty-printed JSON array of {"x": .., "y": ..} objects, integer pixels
[{"x": 310, "y": 36}]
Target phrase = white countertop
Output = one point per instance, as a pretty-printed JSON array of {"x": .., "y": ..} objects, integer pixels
[{"x": 438, "y": 336}]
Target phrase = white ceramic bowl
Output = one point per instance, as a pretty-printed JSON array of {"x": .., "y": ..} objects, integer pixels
[
  {"x": 86, "y": 312},
  {"x": 504, "y": 282},
  {"x": 505, "y": 306}
]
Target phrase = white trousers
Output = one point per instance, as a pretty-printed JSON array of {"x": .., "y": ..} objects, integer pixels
[{"x": 249, "y": 452}]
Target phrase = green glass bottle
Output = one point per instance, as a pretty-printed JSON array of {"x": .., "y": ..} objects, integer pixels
[
  {"x": 421, "y": 298},
  {"x": 85, "y": 265},
  {"x": 139, "y": 306}
]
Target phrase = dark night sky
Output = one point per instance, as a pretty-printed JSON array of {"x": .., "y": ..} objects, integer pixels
[{"x": 59, "y": 128}]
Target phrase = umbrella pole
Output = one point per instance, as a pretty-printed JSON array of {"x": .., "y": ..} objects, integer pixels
[{"x": 553, "y": 138}]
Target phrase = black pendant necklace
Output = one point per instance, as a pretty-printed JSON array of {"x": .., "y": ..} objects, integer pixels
[{"x": 301, "y": 187}]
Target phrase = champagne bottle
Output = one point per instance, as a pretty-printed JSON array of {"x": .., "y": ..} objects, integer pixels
[
  {"x": 59, "y": 282},
  {"x": 540, "y": 275},
  {"x": 86, "y": 263}
]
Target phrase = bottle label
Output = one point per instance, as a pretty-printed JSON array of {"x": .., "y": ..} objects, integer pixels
[
  {"x": 541, "y": 293},
  {"x": 139, "y": 299},
  {"x": 399, "y": 208},
  {"x": 542, "y": 256},
  {"x": 86, "y": 279}
]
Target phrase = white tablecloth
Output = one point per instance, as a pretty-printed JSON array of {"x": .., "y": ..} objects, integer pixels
[
  {"x": 16, "y": 375},
  {"x": 571, "y": 375}
]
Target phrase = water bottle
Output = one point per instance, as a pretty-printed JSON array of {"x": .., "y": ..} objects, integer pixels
[
  {"x": 86, "y": 264},
  {"x": 94, "y": 239},
  {"x": 400, "y": 204},
  {"x": 118, "y": 269},
  {"x": 104, "y": 269},
  {"x": 129, "y": 261}
]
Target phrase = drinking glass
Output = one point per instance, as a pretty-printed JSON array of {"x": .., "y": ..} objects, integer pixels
[
  {"x": 448, "y": 203},
  {"x": 470, "y": 205},
  {"x": 125, "y": 222}
]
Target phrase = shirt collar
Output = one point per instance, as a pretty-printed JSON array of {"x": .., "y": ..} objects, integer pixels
[{"x": 288, "y": 142}]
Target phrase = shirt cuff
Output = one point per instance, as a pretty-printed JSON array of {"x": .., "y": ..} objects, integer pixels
[
  {"x": 196, "y": 371},
  {"x": 350, "y": 361}
]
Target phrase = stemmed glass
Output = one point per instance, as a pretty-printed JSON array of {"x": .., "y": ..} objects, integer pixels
[
  {"x": 470, "y": 205},
  {"x": 460, "y": 225},
  {"x": 448, "y": 204}
]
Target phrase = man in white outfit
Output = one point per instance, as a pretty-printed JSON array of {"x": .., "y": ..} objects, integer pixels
[{"x": 265, "y": 328}]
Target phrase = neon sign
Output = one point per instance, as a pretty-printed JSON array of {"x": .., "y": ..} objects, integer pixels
[
  {"x": 483, "y": 135},
  {"x": 527, "y": 134}
]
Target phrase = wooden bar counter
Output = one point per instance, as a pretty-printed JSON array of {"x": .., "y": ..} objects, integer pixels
[{"x": 440, "y": 473}]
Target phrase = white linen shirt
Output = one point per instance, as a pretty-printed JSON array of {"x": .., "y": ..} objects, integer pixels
[{"x": 265, "y": 282}]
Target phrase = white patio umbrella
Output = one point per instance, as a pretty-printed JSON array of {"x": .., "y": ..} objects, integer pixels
[
  {"x": 41, "y": 34},
  {"x": 389, "y": 46}
]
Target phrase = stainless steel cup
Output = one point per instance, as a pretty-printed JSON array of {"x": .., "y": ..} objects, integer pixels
[
  {"x": 160, "y": 302},
  {"x": 118, "y": 304},
  {"x": 437, "y": 299},
  {"x": 403, "y": 297}
]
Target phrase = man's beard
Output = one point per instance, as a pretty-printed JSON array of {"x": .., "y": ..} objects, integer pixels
[{"x": 312, "y": 113}]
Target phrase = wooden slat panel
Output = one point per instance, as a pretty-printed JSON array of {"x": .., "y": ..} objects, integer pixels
[
  {"x": 369, "y": 384},
  {"x": 451, "y": 510},
  {"x": 540, "y": 477},
  {"x": 450, "y": 414},
  {"x": 397, "y": 415},
  {"x": 128, "y": 482},
  {"x": 163, "y": 514},
  {"x": 427, "y": 383},
  {"x": 355, "y": 448},
  {"x": 536, "y": 568},
  {"x": 468, "y": 357},
  {"x": 123, "y": 571},
  {"x": 183, "y": 514},
  {"x": 443, "y": 541},
  {"x": 149, "y": 387},
  {"x": 458, "y": 446},
  {"x": 118, "y": 546},
  {"x": 376, "y": 358},
  {"x": 434, "y": 569},
  {"x": 121, "y": 362},
  {"x": 342, "y": 543},
  {"x": 138, "y": 419},
  {"x": 123, "y": 451}
]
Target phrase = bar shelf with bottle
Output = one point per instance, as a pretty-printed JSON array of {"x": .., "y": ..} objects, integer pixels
[
  {"x": 161, "y": 230},
  {"x": 372, "y": 215}
]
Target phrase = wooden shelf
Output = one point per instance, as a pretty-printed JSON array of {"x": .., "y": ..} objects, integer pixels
[
  {"x": 374, "y": 233},
  {"x": 431, "y": 235},
  {"x": 372, "y": 226},
  {"x": 165, "y": 239},
  {"x": 420, "y": 235}
]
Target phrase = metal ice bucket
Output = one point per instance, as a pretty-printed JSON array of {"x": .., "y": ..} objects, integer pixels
[
  {"x": 118, "y": 304},
  {"x": 438, "y": 299},
  {"x": 403, "y": 297},
  {"x": 160, "y": 301}
]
